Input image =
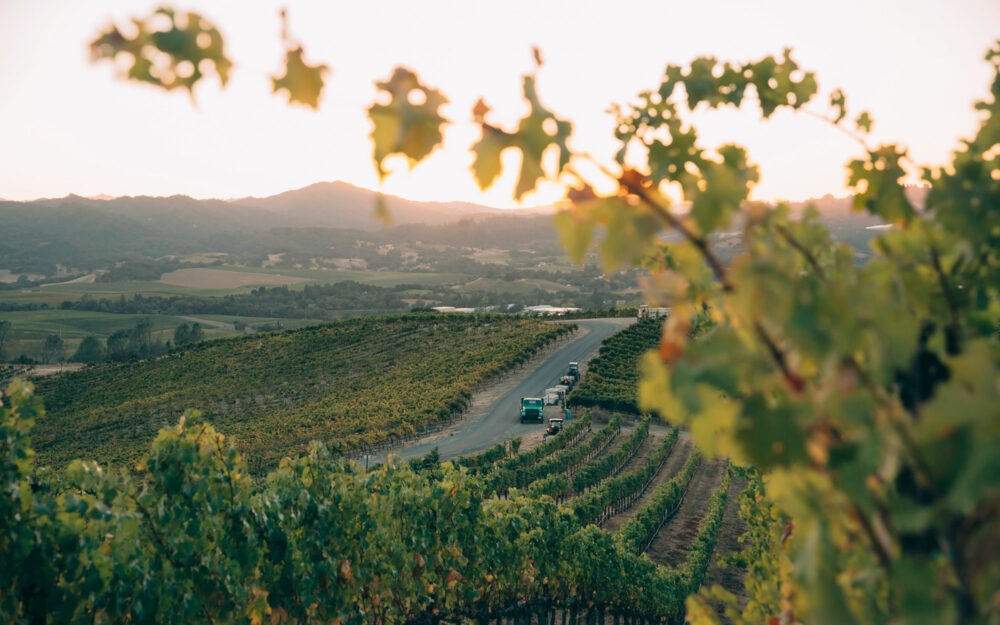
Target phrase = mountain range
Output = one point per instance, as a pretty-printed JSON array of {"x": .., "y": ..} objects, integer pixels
[{"x": 89, "y": 233}]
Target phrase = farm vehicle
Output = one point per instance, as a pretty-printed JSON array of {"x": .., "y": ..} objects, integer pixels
[
  {"x": 555, "y": 426},
  {"x": 532, "y": 409},
  {"x": 573, "y": 370}
]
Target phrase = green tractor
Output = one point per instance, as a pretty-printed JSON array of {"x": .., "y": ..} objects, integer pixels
[
  {"x": 574, "y": 370},
  {"x": 532, "y": 409}
]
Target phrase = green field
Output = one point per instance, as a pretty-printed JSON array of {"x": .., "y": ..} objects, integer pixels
[
  {"x": 29, "y": 328},
  {"x": 377, "y": 278},
  {"x": 56, "y": 293},
  {"x": 348, "y": 383},
  {"x": 522, "y": 286}
]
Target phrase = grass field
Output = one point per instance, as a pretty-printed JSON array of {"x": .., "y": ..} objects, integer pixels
[
  {"x": 29, "y": 328},
  {"x": 519, "y": 287},
  {"x": 215, "y": 283},
  {"x": 207, "y": 278}
]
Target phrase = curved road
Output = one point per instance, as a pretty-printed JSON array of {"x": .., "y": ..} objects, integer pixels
[{"x": 500, "y": 420}]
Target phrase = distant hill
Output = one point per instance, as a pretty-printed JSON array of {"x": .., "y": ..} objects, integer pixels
[
  {"x": 326, "y": 219},
  {"x": 90, "y": 233},
  {"x": 341, "y": 205}
]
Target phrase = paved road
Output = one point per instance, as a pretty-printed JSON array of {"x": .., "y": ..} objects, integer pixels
[{"x": 501, "y": 419}]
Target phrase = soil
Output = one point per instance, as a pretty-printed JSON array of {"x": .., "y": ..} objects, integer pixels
[
  {"x": 675, "y": 462},
  {"x": 670, "y": 547}
]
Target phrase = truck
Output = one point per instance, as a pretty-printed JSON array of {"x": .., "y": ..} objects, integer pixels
[
  {"x": 646, "y": 312},
  {"x": 555, "y": 396},
  {"x": 568, "y": 381},
  {"x": 532, "y": 409}
]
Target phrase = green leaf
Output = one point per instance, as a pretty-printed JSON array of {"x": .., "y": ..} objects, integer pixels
[
  {"x": 169, "y": 58},
  {"x": 303, "y": 82},
  {"x": 535, "y": 133},
  {"x": 771, "y": 435},
  {"x": 877, "y": 185},
  {"x": 864, "y": 122},
  {"x": 727, "y": 185},
  {"x": 575, "y": 233},
  {"x": 839, "y": 101},
  {"x": 409, "y": 124}
]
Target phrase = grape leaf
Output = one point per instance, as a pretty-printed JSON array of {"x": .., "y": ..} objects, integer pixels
[
  {"x": 876, "y": 182},
  {"x": 303, "y": 82},
  {"x": 839, "y": 101},
  {"x": 535, "y": 133},
  {"x": 864, "y": 122},
  {"x": 410, "y": 123},
  {"x": 171, "y": 58},
  {"x": 727, "y": 184}
]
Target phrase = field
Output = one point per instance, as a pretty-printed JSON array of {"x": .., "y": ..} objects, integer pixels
[
  {"x": 348, "y": 383},
  {"x": 29, "y": 328},
  {"x": 204, "y": 278},
  {"x": 522, "y": 286},
  {"x": 377, "y": 278}
]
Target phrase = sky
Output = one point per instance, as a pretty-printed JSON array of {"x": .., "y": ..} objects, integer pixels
[{"x": 70, "y": 126}]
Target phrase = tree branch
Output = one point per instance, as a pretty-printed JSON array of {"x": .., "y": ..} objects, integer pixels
[
  {"x": 850, "y": 133},
  {"x": 810, "y": 258},
  {"x": 949, "y": 298},
  {"x": 698, "y": 241}
]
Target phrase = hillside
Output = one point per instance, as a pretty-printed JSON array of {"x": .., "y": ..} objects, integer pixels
[
  {"x": 322, "y": 221},
  {"x": 348, "y": 384},
  {"x": 90, "y": 233}
]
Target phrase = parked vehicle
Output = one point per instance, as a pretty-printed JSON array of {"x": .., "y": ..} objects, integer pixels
[
  {"x": 645, "y": 312},
  {"x": 555, "y": 426},
  {"x": 555, "y": 396},
  {"x": 532, "y": 409},
  {"x": 574, "y": 371}
]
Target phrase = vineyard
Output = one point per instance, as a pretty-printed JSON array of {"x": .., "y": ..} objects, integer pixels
[
  {"x": 320, "y": 540},
  {"x": 613, "y": 377},
  {"x": 349, "y": 384}
]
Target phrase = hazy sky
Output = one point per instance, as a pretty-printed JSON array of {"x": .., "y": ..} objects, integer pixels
[{"x": 67, "y": 126}]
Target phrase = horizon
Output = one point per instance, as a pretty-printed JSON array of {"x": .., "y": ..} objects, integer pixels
[
  {"x": 107, "y": 197},
  {"x": 245, "y": 142}
]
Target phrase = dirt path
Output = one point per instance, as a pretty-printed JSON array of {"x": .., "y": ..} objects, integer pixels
[
  {"x": 670, "y": 547},
  {"x": 222, "y": 325},
  {"x": 675, "y": 462},
  {"x": 648, "y": 446},
  {"x": 730, "y": 578}
]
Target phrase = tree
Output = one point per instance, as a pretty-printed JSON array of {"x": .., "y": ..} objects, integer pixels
[
  {"x": 866, "y": 396},
  {"x": 54, "y": 349},
  {"x": 119, "y": 345},
  {"x": 89, "y": 351},
  {"x": 142, "y": 336},
  {"x": 4, "y": 333},
  {"x": 184, "y": 334}
]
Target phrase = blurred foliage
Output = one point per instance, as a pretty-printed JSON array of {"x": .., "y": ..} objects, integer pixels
[
  {"x": 168, "y": 49},
  {"x": 535, "y": 133},
  {"x": 409, "y": 123}
]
